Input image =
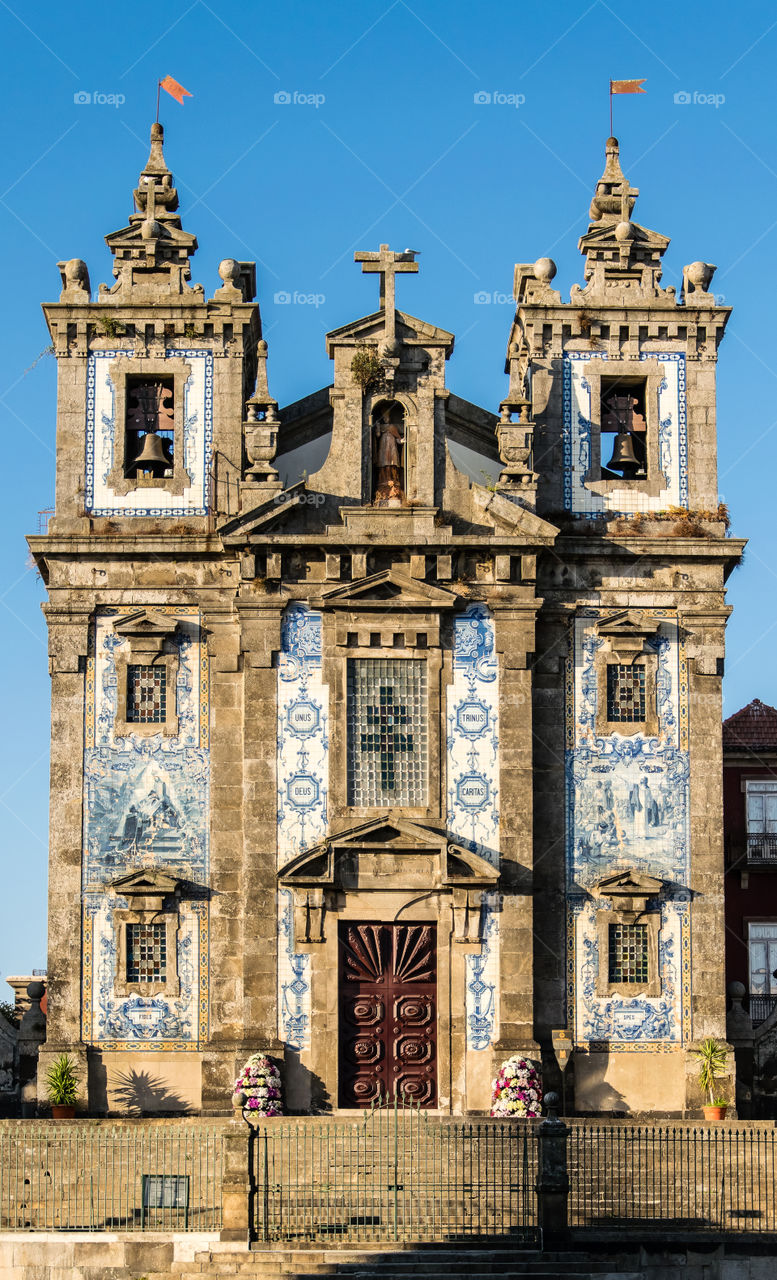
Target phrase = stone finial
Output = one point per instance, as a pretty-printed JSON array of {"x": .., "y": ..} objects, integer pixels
[
  {"x": 531, "y": 281},
  {"x": 75, "y": 281},
  {"x": 623, "y": 259},
  {"x": 260, "y": 431},
  {"x": 152, "y": 253},
  {"x": 229, "y": 291},
  {"x": 697, "y": 278}
]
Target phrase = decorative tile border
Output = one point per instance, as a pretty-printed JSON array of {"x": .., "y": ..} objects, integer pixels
[
  {"x": 672, "y": 438},
  {"x": 164, "y": 783},
  {"x": 197, "y": 440},
  {"x": 627, "y": 804}
]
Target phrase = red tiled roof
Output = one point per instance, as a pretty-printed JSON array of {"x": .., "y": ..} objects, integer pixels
[{"x": 754, "y": 728}]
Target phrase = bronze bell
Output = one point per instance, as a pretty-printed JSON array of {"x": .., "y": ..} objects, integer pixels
[
  {"x": 152, "y": 455},
  {"x": 624, "y": 458}
]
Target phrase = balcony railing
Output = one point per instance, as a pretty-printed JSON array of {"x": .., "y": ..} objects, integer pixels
[
  {"x": 752, "y": 850},
  {"x": 760, "y": 1007}
]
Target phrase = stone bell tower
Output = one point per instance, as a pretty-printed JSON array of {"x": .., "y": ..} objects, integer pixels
[
  {"x": 163, "y": 418},
  {"x": 618, "y": 386}
]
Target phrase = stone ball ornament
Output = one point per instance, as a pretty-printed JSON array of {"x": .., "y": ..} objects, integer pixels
[
  {"x": 624, "y": 231},
  {"x": 229, "y": 270},
  {"x": 545, "y": 269}
]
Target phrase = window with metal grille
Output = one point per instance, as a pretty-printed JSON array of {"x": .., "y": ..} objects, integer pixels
[
  {"x": 387, "y": 731},
  {"x": 625, "y": 692},
  {"x": 628, "y": 953},
  {"x": 146, "y": 953},
  {"x": 146, "y": 694}
]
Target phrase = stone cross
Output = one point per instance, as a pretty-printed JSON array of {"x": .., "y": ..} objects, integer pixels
[{"x": 387, "y": 263}]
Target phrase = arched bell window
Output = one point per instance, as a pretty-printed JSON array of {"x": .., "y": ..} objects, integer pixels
[
  {"x": 150, "y": 439},
  {"x": 388, "y": 453}
]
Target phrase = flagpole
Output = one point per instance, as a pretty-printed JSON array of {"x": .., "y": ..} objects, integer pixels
[
  {"x": 159, "y": 89},
  {"x": 610, "y": 107}
]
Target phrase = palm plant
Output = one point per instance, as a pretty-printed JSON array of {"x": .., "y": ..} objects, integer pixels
[
  {"x": 62, "y": 1081},
  {"x": 711, "y": 1057}
]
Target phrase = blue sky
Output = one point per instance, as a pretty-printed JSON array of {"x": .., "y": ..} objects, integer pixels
[{"x": 316, "y": 130}]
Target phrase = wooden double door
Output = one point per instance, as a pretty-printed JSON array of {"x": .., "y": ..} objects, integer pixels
[{"x": 388, "y": 1013}]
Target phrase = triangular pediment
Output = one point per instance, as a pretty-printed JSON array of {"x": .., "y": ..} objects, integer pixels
[
  {"x": 603, "y": 236},
  {"x": 390, "y": 835},
  {"x": 629, "y": 622},
  {"x": 391, "y": 585},
  {"x": 409, "y": 328},
  {"x": 145, "y": 622},
  {"x": 132, "y": 236},
  {"x": 629, "y": 884},
  {"x": 148, "y": 882}
]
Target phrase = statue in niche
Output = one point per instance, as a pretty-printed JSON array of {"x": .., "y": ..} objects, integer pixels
[{"x": 389, "y": 455}]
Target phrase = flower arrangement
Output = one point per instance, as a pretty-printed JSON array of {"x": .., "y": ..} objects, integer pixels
[
  {"x": 258, "y": 1087},
  {"x": 517, "y": 1090}
]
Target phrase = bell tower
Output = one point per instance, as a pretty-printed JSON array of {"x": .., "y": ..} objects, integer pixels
[{"x": 617, "y": 388}]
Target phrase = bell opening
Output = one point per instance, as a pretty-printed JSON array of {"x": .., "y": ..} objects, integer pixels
[
  {"x": 149, "y": 435},
  {"x": 624, "y": 428}
]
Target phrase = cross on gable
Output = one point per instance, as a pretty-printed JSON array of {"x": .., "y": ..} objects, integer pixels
[{"x": 387, "y": 263}]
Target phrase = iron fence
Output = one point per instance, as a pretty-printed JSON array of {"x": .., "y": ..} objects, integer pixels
[
  {"x": 685, "y": 1178},
  {"x": 93, "y": 1177},
  {"x": 392, "y": 1174}
]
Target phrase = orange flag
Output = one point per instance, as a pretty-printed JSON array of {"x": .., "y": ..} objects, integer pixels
[
  {"x": 175, "y": 89},
  {"x": 627, "y": 86}
]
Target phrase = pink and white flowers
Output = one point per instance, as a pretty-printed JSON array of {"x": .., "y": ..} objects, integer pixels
[
  {"x": 517, "y": 1090},
  {"x": 258, "y": 1087}
]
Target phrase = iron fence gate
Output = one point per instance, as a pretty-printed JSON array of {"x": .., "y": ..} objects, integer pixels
[{"x": 392, "y": 1173}]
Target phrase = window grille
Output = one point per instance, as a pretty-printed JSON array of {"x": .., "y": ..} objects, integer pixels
[
  {"x": 146, "y": 694},
  {"x": 387, "y": 731},
  {"x": 625, "y": 692},
  {"x": 146, "y": 953},
  {"x": 628, "y": 953}
]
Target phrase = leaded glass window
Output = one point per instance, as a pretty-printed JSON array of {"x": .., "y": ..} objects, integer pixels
[
  {"x": 625, "y": 692},
  {"x": 628, "y": 953},
  {"x": 146, "y": 694},
  {"x": 387, "y": 731},
  {"x": 146, "y": 953}
]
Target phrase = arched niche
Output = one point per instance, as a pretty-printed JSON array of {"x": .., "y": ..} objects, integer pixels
[{"x": 387, "y": 422}]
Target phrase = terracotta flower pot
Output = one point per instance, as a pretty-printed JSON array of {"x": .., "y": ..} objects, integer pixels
[
  {"x": 715, "y": 1113},
  {"x": 61, "y": 1112}
]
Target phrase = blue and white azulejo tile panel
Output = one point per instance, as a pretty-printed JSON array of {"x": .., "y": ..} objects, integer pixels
[
  {"x": 146, "y": 805},
  {"x": 578, "y": 427},
  {"x": 303, "y": 782},
  {"x": 472, "y": 742},
  {"x": 627, "y": 806},
  {"x": 101, "y": 428}
]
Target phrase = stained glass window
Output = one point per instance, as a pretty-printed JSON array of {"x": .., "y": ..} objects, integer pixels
[
  {"x": 628, "y": 953},
  {"x": 146, "y": 953},
  {"x": 387, "y": 731},
  {"x": 146, "y": 694},
  {"x": 625, "y": 692}
]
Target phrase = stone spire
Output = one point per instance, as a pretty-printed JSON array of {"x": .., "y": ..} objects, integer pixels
[
  {"x": 152, "y": 252},
  {"x": 623, "y": 259}
]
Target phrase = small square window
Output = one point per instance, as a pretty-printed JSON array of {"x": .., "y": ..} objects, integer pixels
[
  {"x": 146, "y": 694},
  {"x": 625, "y": 692},
  {"x": 146, "y": 953},
  {"x": 628, "y": 960}
]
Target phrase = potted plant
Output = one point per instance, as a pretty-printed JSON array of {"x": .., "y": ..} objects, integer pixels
[
  {"x": 62, "y": 1087},
  {"x": 711, "y": 1057},
  {"x": 517, "y": 1090},
  {"x": 258, "y": 1091}
]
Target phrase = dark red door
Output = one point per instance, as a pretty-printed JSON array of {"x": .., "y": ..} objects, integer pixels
[{"x": 388, "y": 1013}]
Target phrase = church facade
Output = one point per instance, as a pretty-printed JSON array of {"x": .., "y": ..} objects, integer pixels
[{"x": 383, "y": 769}]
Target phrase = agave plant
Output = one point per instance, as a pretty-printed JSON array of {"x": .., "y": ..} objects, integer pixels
[
  {"x": 62, "y": 1081},
  {"x": 711, "y": 1057}
]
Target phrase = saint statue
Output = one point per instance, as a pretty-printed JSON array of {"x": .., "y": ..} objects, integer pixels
[{"x": 389, "y": 471}]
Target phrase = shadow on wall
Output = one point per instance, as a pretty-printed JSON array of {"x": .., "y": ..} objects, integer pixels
[
  {"x": 140, "y": 1093},
  {"x": 304, "y": 1092}
]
